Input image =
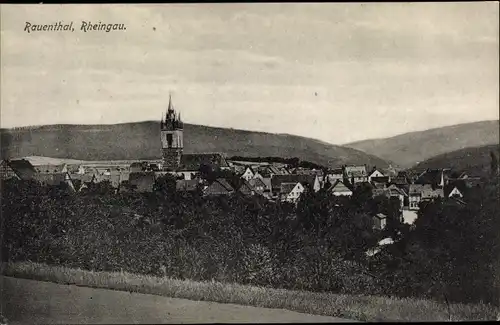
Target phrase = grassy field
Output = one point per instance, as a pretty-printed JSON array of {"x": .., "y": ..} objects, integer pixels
[{"x": 363, "y": 308}]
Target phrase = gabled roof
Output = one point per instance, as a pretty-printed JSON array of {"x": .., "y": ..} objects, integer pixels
[
  {"x": 254, "y": 182},
  {"x": 276, "y": 180},
  {"x": 246, "y": 187},
  {"x": 355, "y": 171},
  {"x": 381, "y": 216},
  {"x": 377, "y": 170},
  {"x": 432, "y": 176},
  {"x": 23, "y": 168},
  {"x": 219, "y": 186},
  {"x": 459, "y": 184},
  {"x": 286, "y": 188},
  {"x": 400, "y": 180},
  {"x": 267, "y": 182},
  {"x": 339, "y": 186},
  {"x": 277, "y": 170},
  {"x": 378, "y": 185},
  {"x": 317, "y": 172},
  {"x": 195, "y": 160},
  {"x": 380, "y": 179},
  {"x": 398, "y": 189},
  {"x": 415, "y": 189},
  {"x": 392, "y": 191}
]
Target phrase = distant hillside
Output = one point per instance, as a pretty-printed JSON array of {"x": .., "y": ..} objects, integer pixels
[
  {"x": 474, "y": 161},
  {"x": 409, "y": 148},
  {"x": 142, "y": 141}
]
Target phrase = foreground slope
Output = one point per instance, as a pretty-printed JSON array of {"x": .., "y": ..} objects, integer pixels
[
  {"x": 410, "y": 148},
  {"x": 474, "y": 161},
  {"x": 142, "y": 141},
  {"x": 26, "y": 303}
]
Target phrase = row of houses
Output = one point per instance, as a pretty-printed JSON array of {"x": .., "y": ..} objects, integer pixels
[{"x": 274, "y": 181}]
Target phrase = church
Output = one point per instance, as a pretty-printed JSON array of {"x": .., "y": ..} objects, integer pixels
[{"x": 172, "y": 144}]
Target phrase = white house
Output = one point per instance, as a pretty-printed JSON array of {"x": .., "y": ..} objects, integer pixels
[
  {"x": 375, "y": 173},
  {"x": 248, "y": 174},
  {"x": 340, "y": 189},
  {"x": 290, "y": 192},
  {"x": 455, "y": 193}
]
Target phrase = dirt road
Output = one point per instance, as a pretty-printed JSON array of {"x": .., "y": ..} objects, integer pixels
[{"x": 28, "y": 301}]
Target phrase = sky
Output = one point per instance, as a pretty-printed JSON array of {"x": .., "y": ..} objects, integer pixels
[{"x": 338, "y": 72}]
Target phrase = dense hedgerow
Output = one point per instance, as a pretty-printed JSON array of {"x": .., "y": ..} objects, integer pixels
[{"x": 319, "y": 245}]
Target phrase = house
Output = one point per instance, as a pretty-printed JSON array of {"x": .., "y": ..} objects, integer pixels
[
  {"x": 379, "y": 221},
  {"x": 54, "y": 179},
  {"x": 400, "y": 180},
  {"x": 142, "y": 181},
  {"x": 257, "y": 175},
  {"x": 291, "y": 192},
  {"x": 379, "y": 179},
  {"x": 355, "y": 174},
  {"x": 455, "y": 192},
  {"x": 418, "y": 193},
  {"x": 414, "y": 196},
  {"x": 335, "y": 175},
  {"x": 429, "y": 193},
  {"x": 218, "y": 187},
  {"x": 258, "y": 185},
  {"x": 81, "y": 181},
  {"x": 246, "y": 188},
  {"x": 276, "y": 169},
  {"x": 311, "y": 181},
  {"x": 455, "y": 189},
  {"x": 375, "y": 173},
  {"x": 248, "y": 174},
  {"x": 391, "y": 192},
  {"x": 76, "y": 169},
  {"x": 21, "y": 169},
  {"x": 268, "y": 189},
  {"x": 51, "y": 169},
  {"x": 379, "y": 182},
  {"x": 193, "y": 162},
  {"x": 238, "y": 169},
  {"x": 340, "y": 189},
  {"x": 434, "y": 177},
  {"x": 186, "y": 185},
  {"x": 114, "y": 177}
]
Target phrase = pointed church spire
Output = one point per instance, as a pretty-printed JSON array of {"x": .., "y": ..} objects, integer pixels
[{"x": 170, "y": 107}]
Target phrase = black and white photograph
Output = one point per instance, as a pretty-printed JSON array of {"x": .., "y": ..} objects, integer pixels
[{"x": 249, "y": 163}]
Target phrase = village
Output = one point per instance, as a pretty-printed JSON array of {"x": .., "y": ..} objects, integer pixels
[{"x": 272, "y": 180}]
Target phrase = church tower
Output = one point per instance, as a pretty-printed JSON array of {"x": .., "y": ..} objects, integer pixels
[{"x": 172, "y": 142}]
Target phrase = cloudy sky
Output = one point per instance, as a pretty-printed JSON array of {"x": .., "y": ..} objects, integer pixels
[{"x": 331, "y": 71}]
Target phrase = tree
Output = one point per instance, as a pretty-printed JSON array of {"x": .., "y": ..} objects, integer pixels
[
  {"x": 165, "y": 185},
  {"x": 494, "y": 164}
]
